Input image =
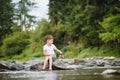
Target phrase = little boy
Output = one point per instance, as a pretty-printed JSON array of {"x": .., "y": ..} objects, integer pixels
[{"x": 48, "y": 51}]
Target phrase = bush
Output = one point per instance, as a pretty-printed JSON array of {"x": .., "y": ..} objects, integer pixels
[
  {"x": 111, "y": 26},
  {"x": 15, "y": 43},
  {"x": 71, "y": 51}
]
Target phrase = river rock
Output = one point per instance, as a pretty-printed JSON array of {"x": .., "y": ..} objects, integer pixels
[
  {"x": 3, "y": 65},
  {"x": 34, "y": 65},
  {"x": 62, "y": 64},
  {"x": 15, "y": 65},
  {"x": 116, "y": 62},
  {"x": 79, "y": 61},
  {"x": 100, "y": 62},
  {"x": 12, "y": 65},
  {"x": 111, "y": 72},
  {"x": 66, "y": 64},
  {"x": 109, "y": 61},
  {"x": 4, "y": 70}
]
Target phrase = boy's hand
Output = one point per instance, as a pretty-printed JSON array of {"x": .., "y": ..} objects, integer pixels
[{"x": 61, "y": 55}]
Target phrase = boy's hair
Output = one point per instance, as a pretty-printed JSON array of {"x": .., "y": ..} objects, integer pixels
[{"x": 48, "y": 37}]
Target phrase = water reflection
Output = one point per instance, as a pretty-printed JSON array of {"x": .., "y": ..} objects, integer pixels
[
  {"x": 51, "y": 75},
  {"x": 29, "y": 75},
  {"x": 88, "y": 74}
]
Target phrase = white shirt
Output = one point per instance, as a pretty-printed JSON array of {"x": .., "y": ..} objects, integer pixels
[{"x": 49, "y": 49}]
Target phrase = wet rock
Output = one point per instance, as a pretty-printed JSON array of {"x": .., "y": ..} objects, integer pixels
[
  {"x": 62, "y": 64},
  {"x": 116, "y": 62},
  {"x": 109, "y": 61},
  {"x": 4, "y": 70},
  {"x": 79, "y": 61},
  {"x": 12, "y": 65},
  {"x": 89, "y": 65},
  {"x": 109, "y": 58},
  {"x": 100, "y": 62},
  {"x": 3, "y": 65},
  {"x": 66, "y": 61},
  {"x": 111, "y": 72},
  {"x": 15, "y": 65},
  {"x": 36, "y": 67},
  {"x": 65, "y": 64}
]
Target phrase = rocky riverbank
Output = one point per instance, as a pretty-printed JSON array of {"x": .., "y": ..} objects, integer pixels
[{"x": 61, "y": 64}]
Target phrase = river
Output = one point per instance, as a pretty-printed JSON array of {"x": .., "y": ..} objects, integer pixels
[{"x": 81, "y": 74}]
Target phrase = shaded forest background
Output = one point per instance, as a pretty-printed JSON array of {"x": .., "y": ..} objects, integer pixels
[{"x": 82, "y": 28}]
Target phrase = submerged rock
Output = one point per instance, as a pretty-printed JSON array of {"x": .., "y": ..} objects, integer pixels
[{"x": 111, "y": 72}]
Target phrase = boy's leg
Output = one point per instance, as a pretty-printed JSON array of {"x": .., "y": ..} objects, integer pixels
[
  {"x": 45, "y": 62},
  {"x": 50, "y": 62}
]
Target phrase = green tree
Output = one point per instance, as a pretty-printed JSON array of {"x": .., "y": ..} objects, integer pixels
[
  {"x": 6, "y": 16},
  {"x": 111, "y": 29},
  {"x": 82, "y": 17},
  {"x": 22, "y": 16}
]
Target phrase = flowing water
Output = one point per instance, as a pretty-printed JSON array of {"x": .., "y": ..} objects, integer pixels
[{"x": 81, "y": 74}]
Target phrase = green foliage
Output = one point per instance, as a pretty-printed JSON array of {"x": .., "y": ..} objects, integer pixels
[
  {"x": 15, "y": 43},
  {"x": 22, "y": 16},
  {"x": 82, "y": 17},
  {"x": 81, "y": 28},
  {"x": 6, "y": 15},
  {"x": 71, "y": 51},
  {"x": 38, "y": 36},
  {"x": 111, "y": 26},
  {"x": 99, "y": 51}
]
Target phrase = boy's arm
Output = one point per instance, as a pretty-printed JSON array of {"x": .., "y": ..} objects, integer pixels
[
  {"x": 59, "y": 51},
  {"x": 44, "y": 52}
]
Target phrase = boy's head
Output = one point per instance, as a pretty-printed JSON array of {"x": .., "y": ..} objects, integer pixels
[{"x": 49, "y": 39}]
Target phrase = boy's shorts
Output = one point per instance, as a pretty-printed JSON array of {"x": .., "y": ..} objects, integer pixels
[{"x": 54, "y": 57}]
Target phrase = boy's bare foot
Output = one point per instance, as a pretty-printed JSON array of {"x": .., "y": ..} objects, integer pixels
[
  {"x": 44, "y": 69},
  {"x": 50, "y": 69}
]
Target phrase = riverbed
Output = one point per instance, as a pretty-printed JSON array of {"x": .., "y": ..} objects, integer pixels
[{"x": 78, "y": 74}]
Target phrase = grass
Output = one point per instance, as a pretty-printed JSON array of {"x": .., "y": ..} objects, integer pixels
[
  {"x": 25, "y": 56},
  {"x": 76, "y": 52},
  {"x": 91, "y": 52},
  {"x": 70, "y": 52}
]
